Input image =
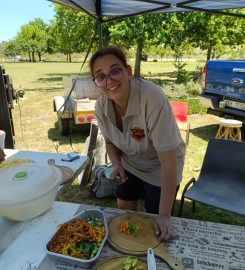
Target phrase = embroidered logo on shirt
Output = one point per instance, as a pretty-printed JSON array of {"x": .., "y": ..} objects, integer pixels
[{"x": 137, "y": 133}]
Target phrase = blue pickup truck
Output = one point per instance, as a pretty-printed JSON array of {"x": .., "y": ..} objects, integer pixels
[{"x": 223, "y": 88}]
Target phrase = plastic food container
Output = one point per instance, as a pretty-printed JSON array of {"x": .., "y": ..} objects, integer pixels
[
  {"x": 28, "y": 190},
  {"x": 86, "y": 263}
]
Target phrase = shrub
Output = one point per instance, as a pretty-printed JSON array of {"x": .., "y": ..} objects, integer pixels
[
  {"x": 186, "y": 92},
  {"x": 175, "y": 91},
  {"x": 193, "y": 89},
  {"x": 182, "y": 75},
  {"x": 197, "y": 74},
  {"x": 195, "y": 106}
]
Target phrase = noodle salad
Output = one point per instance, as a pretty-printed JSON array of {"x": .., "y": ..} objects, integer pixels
[{"x": 79, "y": 238}]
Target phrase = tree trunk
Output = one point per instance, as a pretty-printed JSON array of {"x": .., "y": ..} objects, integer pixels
[
  {"x": 29, "y": 55},
  {"x": 209, "y": 52},
  {"x": 69, "y": 58},
  {"x": 138, "y": 58},
  {"x": 39, "y": 56},
  {"x": 33, "y": 56}
]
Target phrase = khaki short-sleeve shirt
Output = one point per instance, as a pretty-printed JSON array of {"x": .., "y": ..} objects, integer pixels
[{"x": 148, "y": 127}]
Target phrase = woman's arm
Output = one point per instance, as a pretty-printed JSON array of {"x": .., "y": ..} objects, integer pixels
[
  {"x": 115, "y": 157},
  {"x": 113, "y": 152},
  {"x": 168, "y": 162}
]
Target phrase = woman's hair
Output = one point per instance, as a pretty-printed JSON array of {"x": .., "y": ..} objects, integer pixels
[{"x": 109, "y": 50}]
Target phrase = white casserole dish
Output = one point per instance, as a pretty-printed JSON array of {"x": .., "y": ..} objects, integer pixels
[
  {"x": 28, "y": 190},
  {"x": 86, "y": 263}
]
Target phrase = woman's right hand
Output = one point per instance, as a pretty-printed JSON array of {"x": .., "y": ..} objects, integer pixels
[{"x": 119, "y": 171}]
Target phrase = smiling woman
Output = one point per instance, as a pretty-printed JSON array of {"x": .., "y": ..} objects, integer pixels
[{"x": 142, "y": 138}]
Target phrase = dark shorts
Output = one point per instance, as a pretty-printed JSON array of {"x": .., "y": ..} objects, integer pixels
[{"x": 134, "y": 188}]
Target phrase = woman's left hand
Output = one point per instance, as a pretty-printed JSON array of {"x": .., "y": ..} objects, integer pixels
[{"x": 163, "y": 228}]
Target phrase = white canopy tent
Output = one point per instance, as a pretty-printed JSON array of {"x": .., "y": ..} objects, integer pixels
[{"x": 125, "y": 8}]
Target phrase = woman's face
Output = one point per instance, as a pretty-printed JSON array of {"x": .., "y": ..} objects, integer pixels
[{"x": 112, "y": 77}]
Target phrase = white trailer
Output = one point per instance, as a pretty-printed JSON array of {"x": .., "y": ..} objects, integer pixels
[{"x": 79, "y": 103}]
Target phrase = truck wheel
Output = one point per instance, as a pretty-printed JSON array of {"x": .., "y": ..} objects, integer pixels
[{"x": 63, "y": 125}]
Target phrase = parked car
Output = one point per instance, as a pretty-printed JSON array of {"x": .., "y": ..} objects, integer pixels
[{"x": 223, "y": 88}]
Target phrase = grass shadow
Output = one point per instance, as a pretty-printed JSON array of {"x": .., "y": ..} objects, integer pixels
[
  {"x": 58, "y": 77},
  {"x": 65, "y": 74},
  {"x": 51, "y": 79},
  {"x": 79, "y": 133},
  {"x": 209, "y": 131},
  {"x": 205, "y": 132},
  {"x": 161, "y": 74},
  {"x": 44, "y": 89},
  {"x": 158, "y": 81},
  {"x": 160, "y": 78},
  {"x": 80, "y": 194}
]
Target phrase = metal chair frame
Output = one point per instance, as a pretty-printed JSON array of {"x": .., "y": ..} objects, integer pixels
[{"x": 221, "y": 182}]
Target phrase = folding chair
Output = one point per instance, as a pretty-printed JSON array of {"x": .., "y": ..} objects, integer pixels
[
  {"x": 221, "y": 182},
  {"x": 180, "y": 111}
]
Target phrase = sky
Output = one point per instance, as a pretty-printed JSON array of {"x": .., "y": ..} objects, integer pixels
[{"x": 15, "y": 13}]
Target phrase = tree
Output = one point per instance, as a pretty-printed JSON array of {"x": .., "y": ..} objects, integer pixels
[
  {"x": 32, "y": 38},
  {"x": 71, "y": 30},
  {"x": 11, "y": 48},
  {"x": 211, "y": 32},
  {"x": 42, "y": 37},
  {"x": 176, "y": 37},
  {"x": 138, "y": 31},
  {"x": 175, "y": 34}
]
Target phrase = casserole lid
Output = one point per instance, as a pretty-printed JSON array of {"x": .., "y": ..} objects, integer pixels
[{"x": 27, "y": 182}]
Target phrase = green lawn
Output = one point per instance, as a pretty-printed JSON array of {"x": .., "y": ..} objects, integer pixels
[{"x": 36, "y": 126}]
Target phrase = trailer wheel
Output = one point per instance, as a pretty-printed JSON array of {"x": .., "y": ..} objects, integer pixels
[{"x": 63, "y": 125}]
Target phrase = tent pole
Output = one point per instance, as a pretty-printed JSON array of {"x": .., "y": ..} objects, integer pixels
[
  {"x": 99, "y": 29},
  {"x": 99, "y": 22}
]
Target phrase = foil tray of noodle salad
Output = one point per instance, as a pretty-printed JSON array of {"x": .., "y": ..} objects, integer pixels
[{"x": 80, "y": 240}]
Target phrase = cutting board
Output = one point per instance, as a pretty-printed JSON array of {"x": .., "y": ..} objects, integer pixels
[
  {"x": 138, "y": 244},
  {"x": 116, "y": 263}
]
